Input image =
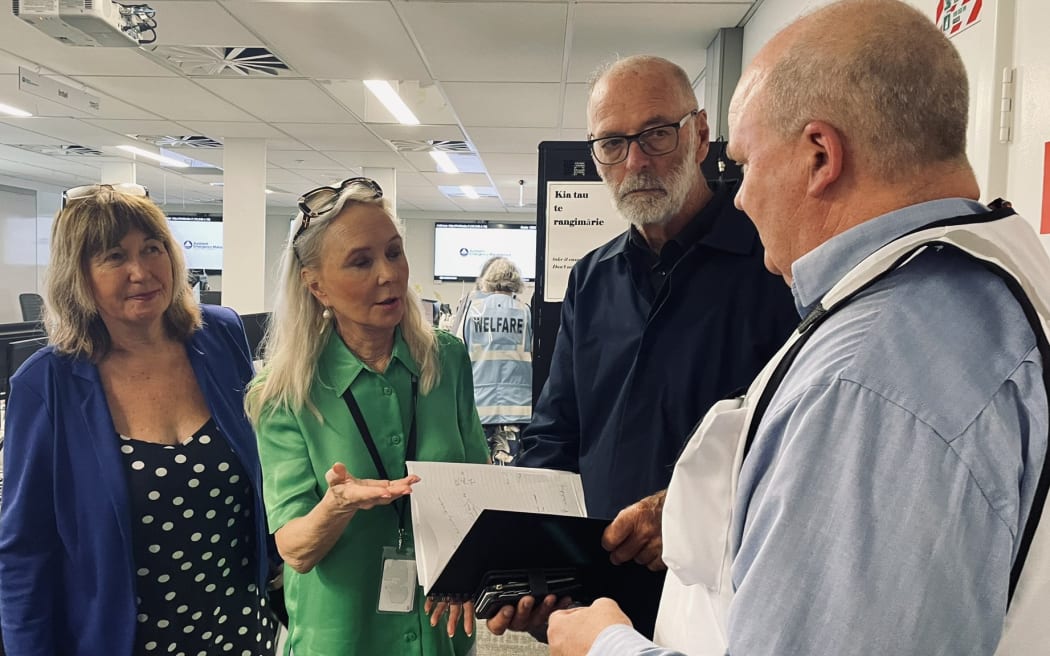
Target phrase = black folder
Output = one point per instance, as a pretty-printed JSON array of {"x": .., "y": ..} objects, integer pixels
[{"x": 501, "y": 541}]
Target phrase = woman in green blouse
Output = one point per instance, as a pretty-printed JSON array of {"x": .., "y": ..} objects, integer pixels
[{"x": 355, "y": 384}]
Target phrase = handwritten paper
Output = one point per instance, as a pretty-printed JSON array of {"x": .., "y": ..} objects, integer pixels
[{"x": 450, "y": 496}]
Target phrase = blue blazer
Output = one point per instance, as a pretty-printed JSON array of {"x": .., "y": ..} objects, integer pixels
[{"x": 67, "y": 575}]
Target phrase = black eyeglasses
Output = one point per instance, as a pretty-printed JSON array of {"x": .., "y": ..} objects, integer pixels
[
  {"x": 86, "y": 191},
  {"x": 322, "y": 200},
  {"x": 659, "y": 140}
]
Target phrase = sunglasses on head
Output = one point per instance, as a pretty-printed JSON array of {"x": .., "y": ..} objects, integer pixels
[
  {"x": 322, "y": 200},
  {"x": 86, "y": 191}
]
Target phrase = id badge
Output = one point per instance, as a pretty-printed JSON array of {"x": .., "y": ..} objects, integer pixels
[{"x": 397, "y": 590}]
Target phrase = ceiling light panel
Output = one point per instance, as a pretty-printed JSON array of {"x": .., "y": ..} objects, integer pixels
[{"x": 388, "y": 95}]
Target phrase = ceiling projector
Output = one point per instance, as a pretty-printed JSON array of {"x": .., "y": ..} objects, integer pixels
[{"x": 97, "y": 23}]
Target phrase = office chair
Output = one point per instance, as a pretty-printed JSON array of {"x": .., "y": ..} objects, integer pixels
[{"x": 32, "y": 306}]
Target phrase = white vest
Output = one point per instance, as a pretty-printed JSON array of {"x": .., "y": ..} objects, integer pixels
[{"x": 702, "y": 495}]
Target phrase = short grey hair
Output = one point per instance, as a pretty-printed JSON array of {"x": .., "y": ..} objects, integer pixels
[
  {"x": 499, "y": 274},
  {"x": 634, "y": 63},
  {"x": 902, "y": 106}
]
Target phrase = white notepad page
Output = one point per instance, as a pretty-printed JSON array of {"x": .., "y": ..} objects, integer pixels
[{"x": 450, "y": 496}]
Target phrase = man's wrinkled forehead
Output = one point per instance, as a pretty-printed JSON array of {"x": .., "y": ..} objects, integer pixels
[{"x": 638, "y": 98}]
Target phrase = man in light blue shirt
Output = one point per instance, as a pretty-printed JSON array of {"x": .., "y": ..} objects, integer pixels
[{"x": 881, "y": 506}]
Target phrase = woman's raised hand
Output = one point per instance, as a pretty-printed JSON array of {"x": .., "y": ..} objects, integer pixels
[{"x": 351, "y": 494}]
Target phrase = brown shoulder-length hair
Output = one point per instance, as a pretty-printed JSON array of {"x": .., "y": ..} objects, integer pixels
[{"x": 84, "y": 229}]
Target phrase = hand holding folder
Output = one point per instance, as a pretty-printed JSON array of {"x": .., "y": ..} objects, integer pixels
[{"x": 494, "y": 534}]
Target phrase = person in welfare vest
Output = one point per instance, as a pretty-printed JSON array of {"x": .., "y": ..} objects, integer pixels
[
  {"x": 892, "y": 479},
  {"x": 497, "y": 329}
]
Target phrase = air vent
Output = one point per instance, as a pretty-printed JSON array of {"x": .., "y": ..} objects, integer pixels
[
  {"x": 424, "y": 145},
  {"x": 165, "y": 141},
  {"x": 218, "y": 61},
  {"x": 72, "y": 150}
]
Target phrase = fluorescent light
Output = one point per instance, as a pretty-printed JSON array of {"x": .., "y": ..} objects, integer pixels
[
  {"x": 382, "y": 90},
  {"x": 521, "y": 194},
  {"x": 269, "y": 191},
  {"x": 168, "y": 161},
  {"x": 217, "y": 184},
  {"x": 444, "y": 162},
  {"x": 469, "y": 192},
  {"x": 13, "y": 111}
]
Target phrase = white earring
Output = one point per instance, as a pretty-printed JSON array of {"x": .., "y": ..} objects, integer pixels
[{"x": 326, "y": 316}]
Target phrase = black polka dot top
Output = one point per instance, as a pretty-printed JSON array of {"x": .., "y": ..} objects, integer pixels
[{"x": 193, "y": 538}]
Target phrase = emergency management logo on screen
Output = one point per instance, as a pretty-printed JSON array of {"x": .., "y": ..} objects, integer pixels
[{"x": 200, "y": 245}]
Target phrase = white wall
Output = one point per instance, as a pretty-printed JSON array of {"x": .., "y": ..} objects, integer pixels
[
  {"x": 25, "y": 228},
  {"x": 1031, "y": 55}
]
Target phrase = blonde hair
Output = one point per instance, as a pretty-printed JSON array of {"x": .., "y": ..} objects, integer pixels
[
  {"x": 297, "y": 333},
  {"x": 84, "y": 229}
]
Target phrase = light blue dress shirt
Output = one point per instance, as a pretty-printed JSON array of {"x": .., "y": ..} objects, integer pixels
[{"x": 881, "y": 504}]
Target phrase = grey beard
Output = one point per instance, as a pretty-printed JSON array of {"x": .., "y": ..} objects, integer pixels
[{"x": 654, "y": 210}]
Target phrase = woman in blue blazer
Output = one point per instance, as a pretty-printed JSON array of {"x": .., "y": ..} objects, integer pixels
[{"x": 132, "y": 519}]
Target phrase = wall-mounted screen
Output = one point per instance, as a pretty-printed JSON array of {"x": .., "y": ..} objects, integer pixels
[
  {"x": 461, "y": 248},
  {"x": 201, "y": 239}
]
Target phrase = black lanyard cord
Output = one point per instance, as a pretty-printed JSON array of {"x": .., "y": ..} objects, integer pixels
[{"x": 400, "y": 505}]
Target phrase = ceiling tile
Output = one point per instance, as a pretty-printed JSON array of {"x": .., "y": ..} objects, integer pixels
[
  {"x": 335, "y": 40},
  {"x": 453, "y": 33},
  {"x": 418, "y": 132},
  {"x": 201, "y": 23},
  {"x": 334, "y": 137},
  {"x": 301, "y": 160},
  {"x": 118, "y": 126},
  {"x": 436, "y": 205},
  {"x": 574, "y": 112},
  {"x": 603, "y": 31},
  {"x": 480, "y": 204},
  {"x": 498, "y": 104},
  {"x": 510, "y": 140},
  {"x": 385, "y": 160},
  {"x": 174, "y": 98},
  {"x": 458, "y": 179},
  {"x": 285, "y": 178},
  {"x": 276, "y": 100},
  {"x": 502, "y": 163},
  {"x": 221, "y": 129},
  {"x": 425, "y": 100},
  {"x": 73, "y": 130}
]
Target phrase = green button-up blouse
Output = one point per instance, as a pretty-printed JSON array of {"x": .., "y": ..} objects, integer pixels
[{"x": 332, "y": 608}]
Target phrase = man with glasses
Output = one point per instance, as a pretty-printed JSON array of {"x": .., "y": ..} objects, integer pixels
[{"x": 657, "y": 324}]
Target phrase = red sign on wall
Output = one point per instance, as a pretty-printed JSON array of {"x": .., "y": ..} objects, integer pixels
[
  {"x": 1044, "y": 226},
  {"x": 954, "y": 16}
]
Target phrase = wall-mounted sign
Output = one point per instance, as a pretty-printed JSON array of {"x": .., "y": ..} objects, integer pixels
[
  {"x": 954, "y": 16},
  {"x": 580, "y": 218},
  {"x": 50, "y": 89}
]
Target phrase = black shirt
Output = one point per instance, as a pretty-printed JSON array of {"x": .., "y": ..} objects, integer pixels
[{"x": 637, "y": 364}]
